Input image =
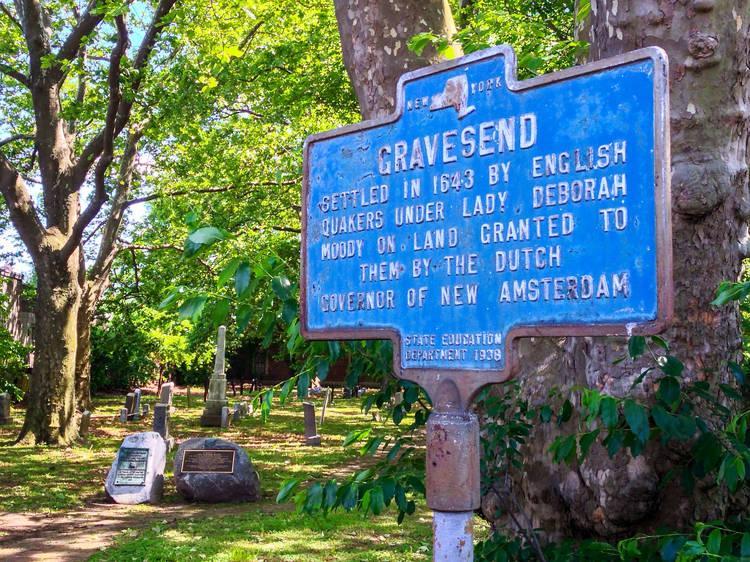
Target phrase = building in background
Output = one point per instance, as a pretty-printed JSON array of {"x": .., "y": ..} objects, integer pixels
[{"x": 20, "y": 320}]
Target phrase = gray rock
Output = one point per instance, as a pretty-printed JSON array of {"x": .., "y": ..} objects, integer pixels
[
  {"x": 136, "y": 484},
  {"x": 242, "y": 484}
]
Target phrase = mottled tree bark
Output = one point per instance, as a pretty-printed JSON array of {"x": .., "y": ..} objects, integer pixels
[
  {"x": 374, "y": 35},
  {"x": 707, "y": 44}
]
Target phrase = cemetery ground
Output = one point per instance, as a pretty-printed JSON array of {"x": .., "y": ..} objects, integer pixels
[{"x": 53, "y": 505}]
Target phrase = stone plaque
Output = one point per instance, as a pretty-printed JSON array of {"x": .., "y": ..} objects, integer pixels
[
  {"x": 218, "y": 461},
  {"x": 131, "y": 467}
]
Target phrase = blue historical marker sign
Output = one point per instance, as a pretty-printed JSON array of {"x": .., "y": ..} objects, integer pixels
[{"x": 485, "y": 209}]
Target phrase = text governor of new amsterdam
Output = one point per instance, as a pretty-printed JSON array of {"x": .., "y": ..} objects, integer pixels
[{"x": 486, "y": 207}]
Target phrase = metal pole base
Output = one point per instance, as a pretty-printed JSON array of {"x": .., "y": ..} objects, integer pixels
[{"x": 453, "y": 536}]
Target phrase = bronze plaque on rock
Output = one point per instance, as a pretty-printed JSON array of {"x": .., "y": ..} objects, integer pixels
[
  {"x": 219, "y": 461},
  {"x": 131, "y": 467}
]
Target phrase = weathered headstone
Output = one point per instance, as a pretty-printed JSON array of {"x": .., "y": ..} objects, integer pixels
[
  {"x": 144, "y": 410},
  {"x": 161, "y": 424},
  {"x": 398, "y": 398},
  {"x": 123, "y": 414},
  {"x": 311, "y": 432},
  {"x": 83, "y": 430},
  {"x": 5, "y": 417},
  {"x": 214, "y": 470},
  {"x": 347, "y": 392},
  {"x": 130, "y": 405},
  {"x": 137, "y": 473},
  {"x": 237, "y": 412},
  {"x": 166, "y": 393},
  {"x": 137, "y": 405},
  {"x": 217, "y": 386},
  {"x": 225, "y": 419},
  {"x": 326, "y": 401}
]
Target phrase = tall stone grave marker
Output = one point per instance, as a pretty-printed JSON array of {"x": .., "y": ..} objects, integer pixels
[
  {"x": 329, "y": 393},
  {"x": 83, "y": 430},
  {"x": 161, "y": 424},
  {"x": 136, "y": 413},
  {"x": 123, "y": 414},
  {"x": 129, "y": 405},
  {"x": 137, "y": 473},
  {"x": 166, "y": 394},
  {"x": 5, "y": 417},
  {"x": 311, "y": 431},
  {"x": 217, "y": 386},
  {"x": 225, "y": 419}
]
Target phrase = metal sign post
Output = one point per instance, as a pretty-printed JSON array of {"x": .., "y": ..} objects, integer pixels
[{"x": 484, "y": 210}]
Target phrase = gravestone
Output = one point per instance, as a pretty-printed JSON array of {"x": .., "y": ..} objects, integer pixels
[
  {"x": 225, "y": 419},
  {"x": 217, "y": 386},
  {"x": 144, "y": 410},
  {"x": 136, "y": 414},
  {"x": 326, "y": 401},
  {"x": 83, "y": 430},
  {"x": 189, "y": 401},
  {"x": 137, "y": 473},
  {"x": 166, "y": 393},
  {"x": 5, "y": 417},
  {"x": 237, "y": 412},
  {"x": 161, "y": 423},
  {"x": 214, "y": 470},
  {"x": 129, "y": 405},
  {"x": 311, "y": 432},
  {"x": 123, "y": 414}
]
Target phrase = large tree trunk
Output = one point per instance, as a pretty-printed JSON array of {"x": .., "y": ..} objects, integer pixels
[
  {"x": 83, "y": 354},
  {"x": 707, "y": 46},
  {"x": 51, "y": 403},
  {"x": 374, "y": 35}
]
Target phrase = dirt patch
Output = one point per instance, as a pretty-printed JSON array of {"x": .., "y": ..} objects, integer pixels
[{"x": 76, "y": 535}]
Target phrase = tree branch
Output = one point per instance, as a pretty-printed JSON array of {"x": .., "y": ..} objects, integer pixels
[
  {"x": 11, "y": 17},
  {"x": 95, "y": 146},
  {"x": 22, "y": 212},
  {"x": 13, "y": 73},
  {"x": 86, "y": 24},
  {"x": 163, "y": 247},
  {"x": 14, "y": 138},
  {"x": 151, "y": 197},
  {"x": 100, "y": 192}
]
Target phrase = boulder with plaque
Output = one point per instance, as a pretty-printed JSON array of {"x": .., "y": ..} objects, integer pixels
[
  {"x": 137, "y": 473},
  {"x": 214, "y": 470}
]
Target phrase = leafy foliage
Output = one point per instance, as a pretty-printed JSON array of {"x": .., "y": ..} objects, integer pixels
[{"x": 13, "y": 356}]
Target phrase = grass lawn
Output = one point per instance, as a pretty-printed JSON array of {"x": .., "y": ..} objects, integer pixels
[{"x": 49, "y": 480}]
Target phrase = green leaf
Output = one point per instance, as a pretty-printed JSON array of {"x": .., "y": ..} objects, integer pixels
[
  {"x": 170, "y": 298},
  {"x": 206, "y": 236},
  {"x": 545, "y": 413},
  {"x": 356, "y": 435},
  {"x": 736, "y": 370},
  {"x": 244, "y": 313},
  {"x": 669, "y": 390},
  {"x": 329, "y": 494},
  {"x": 286, "y": 489},
  {"x": 281, "y": 287},
  {"x": 289, "y": 311},
  {"x": 730, "y": 392},
  {"x": 191, "y": 219},
  {"x": 637, "y": 418},
  {"x": 610, "y": 417},
  {"x": 314, "y": 498},
  {"x": 242, "y": 278},
  {"x": 565, "y": 412},
  {"x": 745, "y": 545},
  {"x": 322, "y": 370},
  {"x": 636, "y": 346},
  {"x": 398, "y": 414},
  {"x": 285, "y": 390},
  {"x": 376, "y": 500},
  {"x": 713, "y": 545},
  {"x": 221, "y": 309},
  {"x": 670, "y": 365},
  {"x": 613, "y": 442},
  {"x": 228, "y": 271},
  {"x": 587, "y": 439},
  {"x": 192, "y": 308},
  {"x": 660, "y": 342},
  {"x": 303, "y": 383},
  {"x": 350, "y": 496}
]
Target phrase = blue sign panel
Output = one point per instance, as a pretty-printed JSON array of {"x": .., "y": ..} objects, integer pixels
[{"x": 485, "y": 209}]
